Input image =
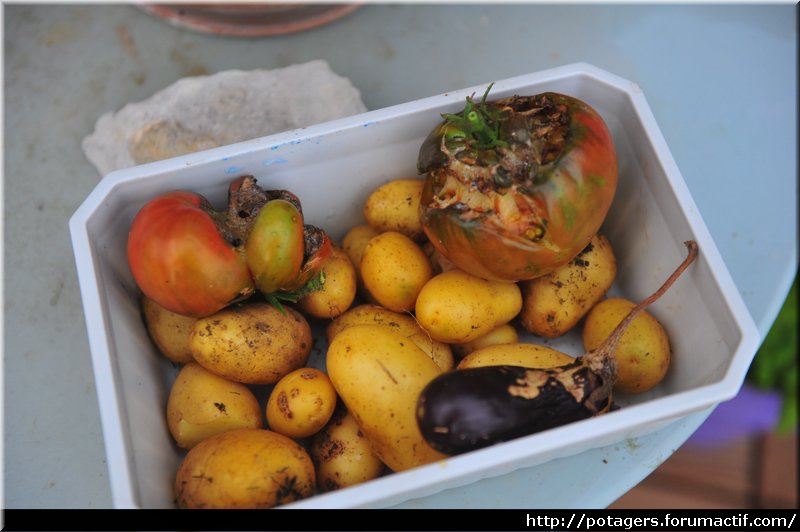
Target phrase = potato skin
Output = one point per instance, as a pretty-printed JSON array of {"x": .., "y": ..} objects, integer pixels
[
  {"x": 456, "y": 307},
  {"x": 555, "y": 303},
  {"x": 525, "y": 355},
  {"x": 202, "y": 404},
  {"x": 394, "y": 206},
  {"x": 301, "y": 403},
  {"x": 253, "y": 343},
  {"x": 338, "y": 292},
  {"x": 379, "y": 375},
  {"x": 403, "y": 324},
  {"x": 643, "y": 353},
  {"x": 504, "y": 334},
  {"x": 244, "y": 469},
  {"x": 394, "y": 269},
  {"x": 168, "y": 330},
  {"x": 342, "y": 456}
]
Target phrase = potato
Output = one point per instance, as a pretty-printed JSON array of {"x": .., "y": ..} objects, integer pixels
[
  {"x": 355, "y": 240},
  {"x": 643, "y": 353},
  {"x": 394, "y": 270},
  {"x": 338, "y": 292},
  {"x": 301, "y": 403},
  {"x": 403, "y": 324},
  {"x": 525, "y": 355},
  {"x": 394, "y": 206},
  {"x": 341, "y": 454},
  {"x": 456, "y": 307},
  {"x": 244, "y": 469},
  {"x": 504, "y": 334},
  {"x": 379, "y": 375},
  {"x": 555, "y": 303},
  {"x": 202, "y": 404},
  {"x": 253, "y": 343},
  {"x": 169, "y": 331}
]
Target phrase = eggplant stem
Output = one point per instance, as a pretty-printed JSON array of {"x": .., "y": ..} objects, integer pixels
[{"x": 610, "y": 343}]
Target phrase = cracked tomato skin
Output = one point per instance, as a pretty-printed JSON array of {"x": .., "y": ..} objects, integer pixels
[
  {"x": 179, "y": 259},
  {"x": 521, "y": 228}
]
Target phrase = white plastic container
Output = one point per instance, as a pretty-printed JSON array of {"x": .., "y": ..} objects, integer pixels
[{"x": 332, "y": 167}]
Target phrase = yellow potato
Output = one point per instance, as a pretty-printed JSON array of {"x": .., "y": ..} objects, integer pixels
[
  {"x": 643, "y": 353},
  {"x": 202, "y": 404},
  {"x": 525, "y": 355},
  {"x": 555, "y": 303},
  {"x": 353, "y": 244},
  {"x": 301, "y": 403},
  {"x": 244, "y": 469},
  {"x": 394, "y": 206},
  {"x": 403, "y": 324},
  {"x": 342, "y": 455},
  {"x": 355, "y": 240},
  {"x": 456, "y": 307},
  {"x": 338, "y": 291},
  {"x": 394, "y": 269},
  {"x": 379, "y": 375},
  {"x": 504, "y": 334},
  {"x": 169, "y": 331},
  {"x": 253, "y": 343}
]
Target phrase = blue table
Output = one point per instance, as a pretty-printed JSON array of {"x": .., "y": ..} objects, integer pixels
[{"x": 721, "y": 81}]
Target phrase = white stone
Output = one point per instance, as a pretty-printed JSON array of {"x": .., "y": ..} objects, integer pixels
[{"x": 203, "y": 112}]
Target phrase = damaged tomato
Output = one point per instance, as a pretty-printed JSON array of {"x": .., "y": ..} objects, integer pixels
[
  {"x": 517, "y": 186},
  {"x": 195, "y": 261}
]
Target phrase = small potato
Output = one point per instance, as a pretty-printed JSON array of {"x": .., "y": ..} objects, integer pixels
[
  {"x": 643, "y": 353},
  {"x": 253, "y": 343},
  {"x": 394, "y": 206},
  {"x": 342, "y": 456},
  {"x": 504, "y": 334},
  {"x": 202, "y": 404},
  {"x": 338, "y": 292},
  {"x": 301, "y": 403},
  {"x": 169, "y": 331},
  {"x": 456, "y": 307},
  {"x": 355, "y": 240},
  {"x": 525, "y": 355},
  {"x": 403, "y": 324},
  {"x": 555, "y": 303},
  {"x": 244, "y": 469},
  {"x": 394, "y": 269},
  {"x": 379, "y": 376}
]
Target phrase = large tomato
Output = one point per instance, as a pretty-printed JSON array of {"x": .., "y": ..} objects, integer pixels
[
  {"x": 195, "y": 261},
  {"x": 518, "y": 186}
]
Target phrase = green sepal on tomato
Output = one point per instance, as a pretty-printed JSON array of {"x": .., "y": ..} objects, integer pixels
[
  {"x": 195, "y": 261},
  {"x": 516, "y": 187}
]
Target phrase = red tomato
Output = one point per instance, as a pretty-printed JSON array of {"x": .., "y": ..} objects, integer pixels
[
  {"x": 517, "y": 187},
  {"x": 180, "y": 260},
  {"x": 195, "y": 261}
]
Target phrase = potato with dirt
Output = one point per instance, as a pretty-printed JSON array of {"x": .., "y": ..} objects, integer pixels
[
  {"x": 252, "y": 343},
  {"x": 553, "y": 304},
  {"x": 301, "y": 403},
  {"x": 244, "y": 469},
  {"x": 202, "y": 404},
  {"x": 342, "y": 455}
]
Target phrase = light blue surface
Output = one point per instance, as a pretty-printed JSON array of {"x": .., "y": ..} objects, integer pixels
[{"x": 720, "y": 79}]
